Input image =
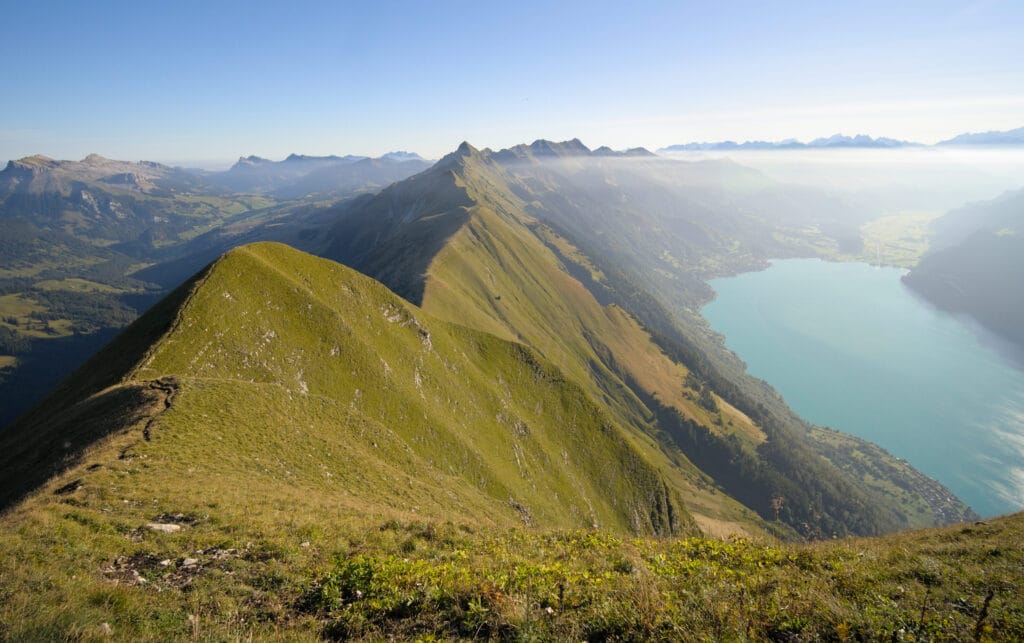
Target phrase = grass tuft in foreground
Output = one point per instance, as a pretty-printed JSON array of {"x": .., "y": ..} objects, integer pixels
[
  {"x": 958, "y": 584},
  {"x": 73, "y": 572}
]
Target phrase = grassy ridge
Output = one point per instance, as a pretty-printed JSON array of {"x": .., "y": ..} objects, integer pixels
[
  {"x": 505, "y": 269},
  {"x": 493, "y": 273},
  {"x": 272, "y": 347},
  {"x": 316, "y": 457},
  {"x": 496, "y": 276},
  {"x": 280, "y": 397}
]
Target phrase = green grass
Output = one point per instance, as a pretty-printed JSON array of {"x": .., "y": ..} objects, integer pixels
[
  {"x": 297, "y": 397},
  {"x": 291, "y": 367},
  {"x": 74, "y": 565},
  {"x": 341, "y": 463},
  {"x": 497, "y": 276},
  {"x": 897, "y": 240},
  {"x": 333, "y": 344},
  {"x": 75, "y": 284},
  {"x": 19, "y": 307},
  {"x": 956, "y": 584}
]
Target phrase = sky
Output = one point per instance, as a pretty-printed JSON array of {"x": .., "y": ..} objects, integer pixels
[{"x": 203, "y": 83}]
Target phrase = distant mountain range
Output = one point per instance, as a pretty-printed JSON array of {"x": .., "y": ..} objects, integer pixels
[
  {"x": 836, "y": 140},
  {"x": 512, "y": 353},
  {"x": 300, "y": 175},
  {"x": 1010, "y": 137},
  {"x": 74, "y": 235},
  {"x": 528, "y": 243}
]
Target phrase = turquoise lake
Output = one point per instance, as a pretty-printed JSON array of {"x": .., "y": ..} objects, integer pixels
[{"x": 850, "y": 347}]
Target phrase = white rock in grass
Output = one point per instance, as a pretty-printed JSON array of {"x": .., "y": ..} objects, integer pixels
[{"x": 167, "y": 528}]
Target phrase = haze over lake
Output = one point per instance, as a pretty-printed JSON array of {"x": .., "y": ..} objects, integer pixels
[{"x": 849, "y": 346}]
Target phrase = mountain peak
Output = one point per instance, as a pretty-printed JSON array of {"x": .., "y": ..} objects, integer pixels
[
  {"x": 458, "y": 157},
  {"x": 249, "y": 162},
  {"x": 253, "y": 159},
  {"x": 543, "y": 147},
  {"x": 95, "y": 159},
  {"x": 300, "y": 158},
  {"x": 576, "y": 145},
  {"x": 34, "y": 161},
  {"x": 402, "y": 155},
  {"x": 604, "y": 150}
]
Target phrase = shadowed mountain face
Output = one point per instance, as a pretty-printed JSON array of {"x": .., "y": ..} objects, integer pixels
[
  {"x": 395, "y": 235},
  {"x": 91, "y": 405},
  {"x": 977, "y": 260},
  {"x": 508, "y": 247}
]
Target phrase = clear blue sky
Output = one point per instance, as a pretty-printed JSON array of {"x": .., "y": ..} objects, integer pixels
[{"x": 209, "y": 81}]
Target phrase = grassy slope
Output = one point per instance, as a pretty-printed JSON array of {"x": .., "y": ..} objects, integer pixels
[
  {"x": 505, "y": 273},
  {"x": 485, "y": 412},
  {"x": 495, "y": 274},
  {"x": 79, "y": 568},
  {"x": 288, "y": 396},
  {"x": 284, "y": 367},
  {"x": 622, "y": 242},
  {"x": 308, "y": 509}
]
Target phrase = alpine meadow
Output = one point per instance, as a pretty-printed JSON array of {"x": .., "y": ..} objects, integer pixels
[{"x": 371, "y": 383}]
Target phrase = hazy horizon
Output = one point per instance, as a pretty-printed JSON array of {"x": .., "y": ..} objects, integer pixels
[
  {"x": 210, "y": 83},
  {"x": 1005, "y": 160}
]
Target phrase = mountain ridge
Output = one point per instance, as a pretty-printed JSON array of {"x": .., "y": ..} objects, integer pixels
[
  {"x": 834, "y": 141},
  {"x": 993, "y": 137},
  {"x": 475, "y": 241},
  {"x": 306, "y": 370},
  {"x": 1005, "y": 137},
  {"x": 524, "y": 446},
  {"x": 502, "y": 270}
]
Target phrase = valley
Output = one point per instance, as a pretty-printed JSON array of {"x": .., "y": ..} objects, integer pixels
[
  {"x": 519, "y": 371},
  {"x": 284, "y": 448},
  {"x": 530, "y": 321},
  {"x": 86, "y": 246}
]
